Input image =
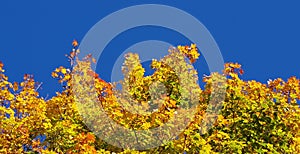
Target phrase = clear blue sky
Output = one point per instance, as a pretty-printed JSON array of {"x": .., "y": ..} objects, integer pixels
[{"x": 35, "y": 35}]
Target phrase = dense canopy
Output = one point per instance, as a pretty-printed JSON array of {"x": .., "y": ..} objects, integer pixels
[{"x": 253, "y": 117}]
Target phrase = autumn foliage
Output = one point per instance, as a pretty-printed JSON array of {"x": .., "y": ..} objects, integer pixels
[{"x": 253, "y": 118}]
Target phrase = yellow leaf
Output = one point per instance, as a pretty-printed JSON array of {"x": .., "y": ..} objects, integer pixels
[{"x": 64, "y": 71}]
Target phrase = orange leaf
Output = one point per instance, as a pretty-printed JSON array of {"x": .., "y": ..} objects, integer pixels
[
  {"x": 90, "y": 137},
  {"x": 15, "y": 86},
  {"x": 75, "y": 43},
  {"x": 55, "y": 75},
  {"x": 94, "y": 60}
]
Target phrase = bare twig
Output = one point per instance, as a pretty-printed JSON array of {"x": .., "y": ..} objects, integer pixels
[{"x": 38, "y": 87}]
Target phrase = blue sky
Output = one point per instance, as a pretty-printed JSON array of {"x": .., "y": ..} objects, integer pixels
[{"x": 262, "y": 36}]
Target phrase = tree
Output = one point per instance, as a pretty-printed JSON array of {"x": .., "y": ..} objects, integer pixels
[{"x": 254, "y": 117}]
